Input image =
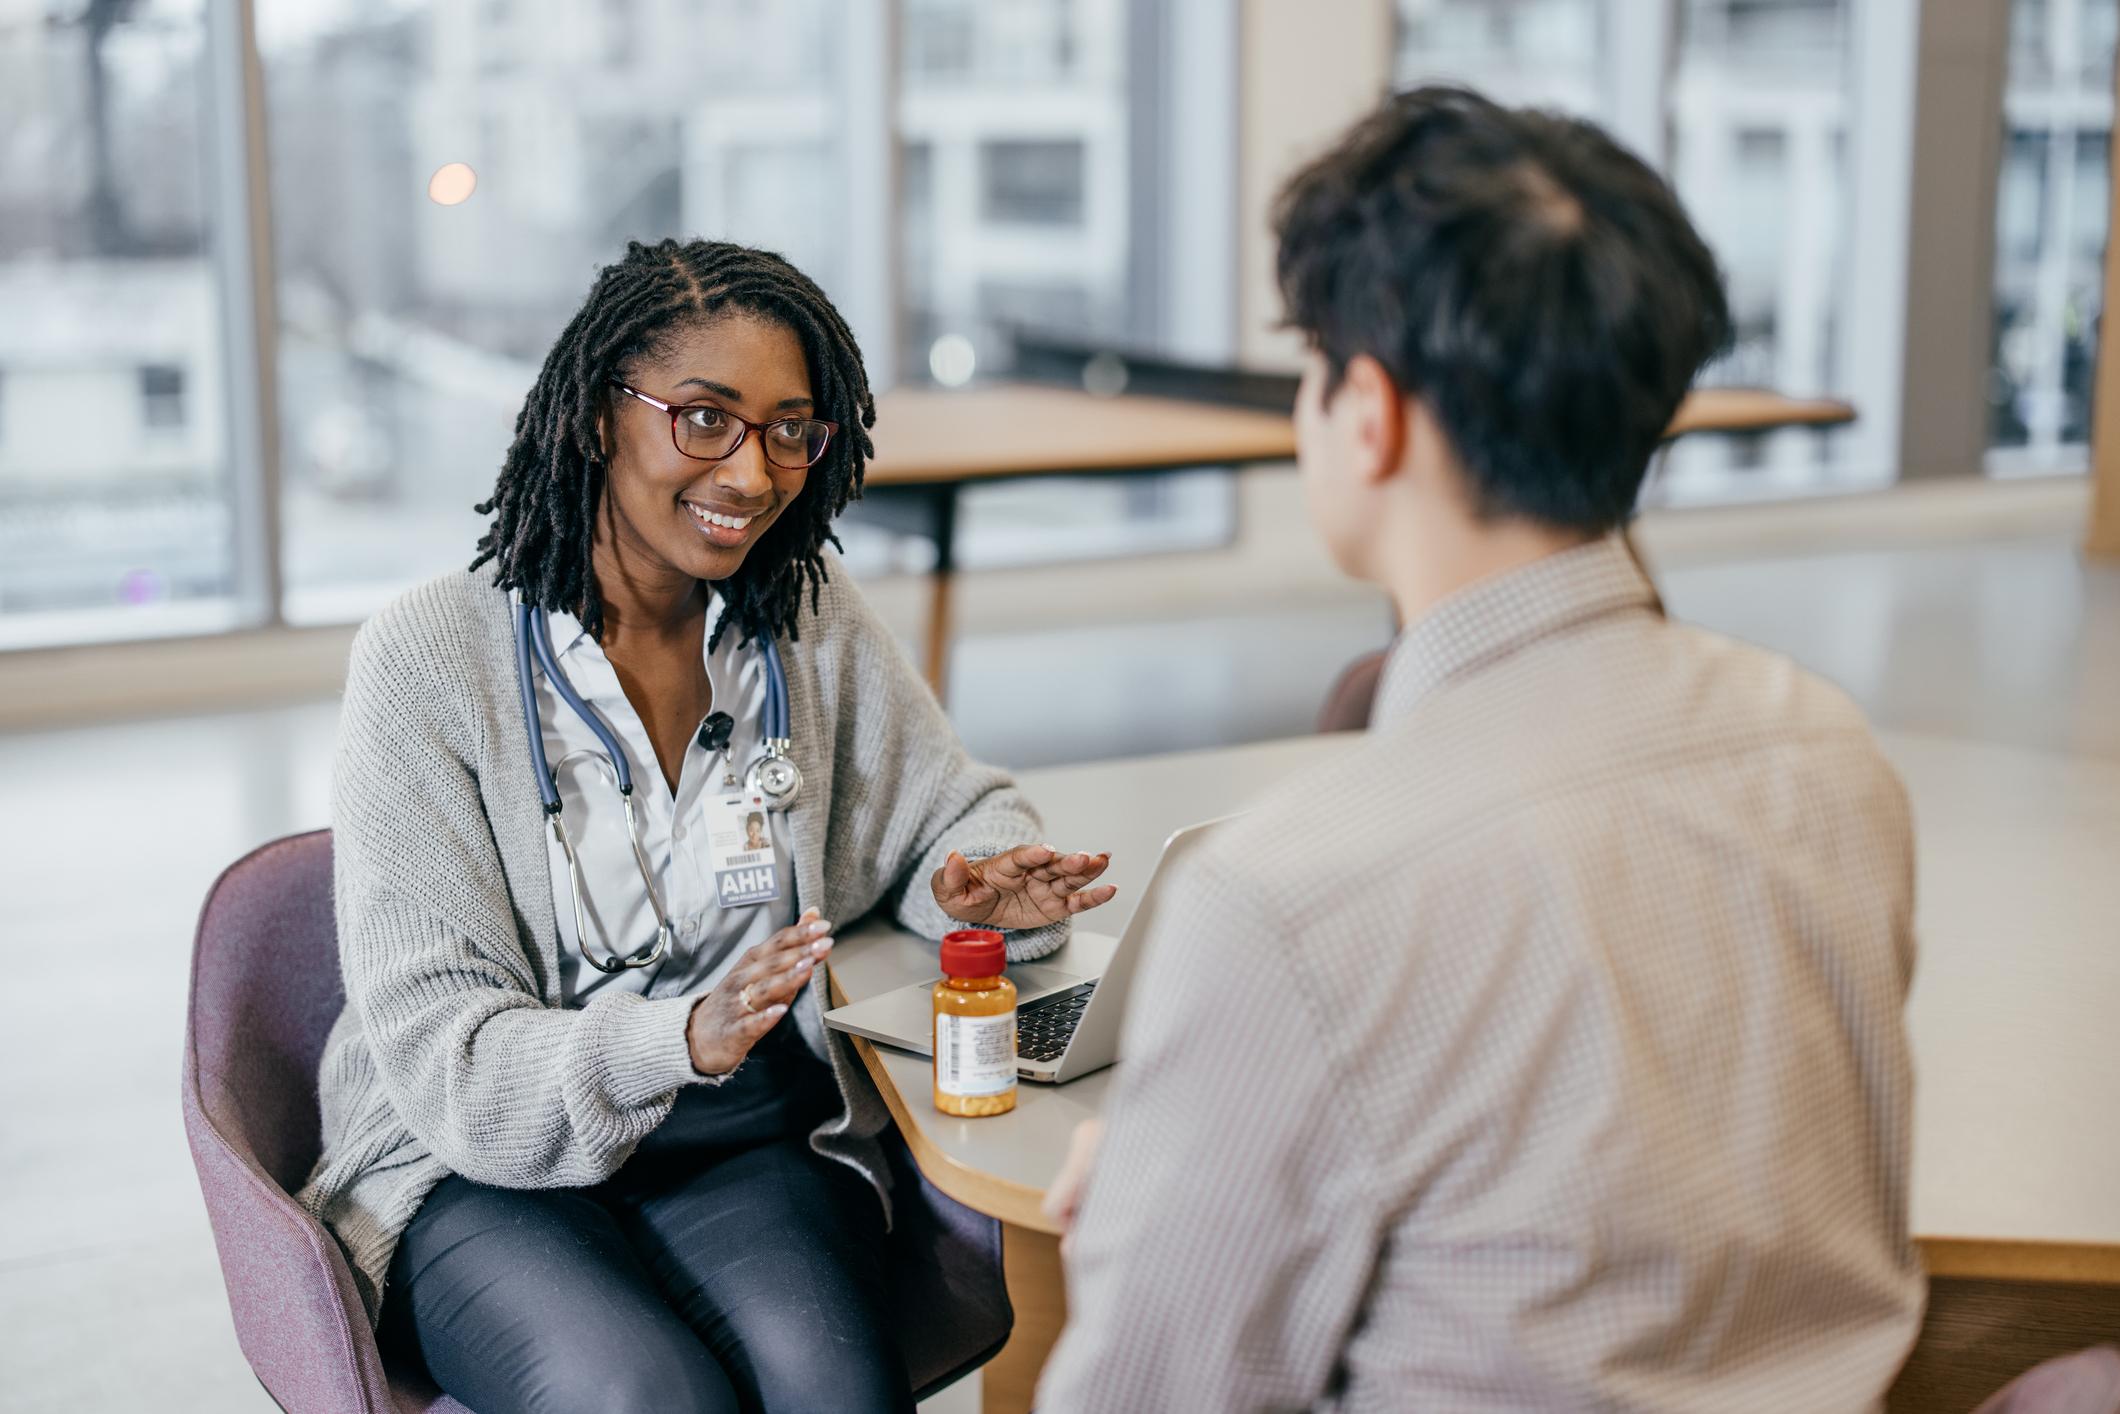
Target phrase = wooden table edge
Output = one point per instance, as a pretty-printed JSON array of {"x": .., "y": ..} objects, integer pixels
[
  {"x": 1013, "y": 1203},
  {"x": 1947, "y": 1258},
  {"x": 1788, "y": 413},
  {"x": 2013, "y": 1259}
]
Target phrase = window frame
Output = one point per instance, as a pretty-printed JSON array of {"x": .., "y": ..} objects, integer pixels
[{"x": 1924, "y": 223}]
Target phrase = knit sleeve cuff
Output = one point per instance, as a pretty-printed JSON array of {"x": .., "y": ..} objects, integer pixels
[
  {"x": 920, "y": 914},
  {"x": 644, "y": 1056}
]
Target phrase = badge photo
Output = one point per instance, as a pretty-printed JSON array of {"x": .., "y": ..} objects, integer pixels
[{"x": 740, "y": 846}]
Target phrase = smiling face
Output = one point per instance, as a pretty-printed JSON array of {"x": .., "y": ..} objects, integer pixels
[{"x": 667, "y": 513}]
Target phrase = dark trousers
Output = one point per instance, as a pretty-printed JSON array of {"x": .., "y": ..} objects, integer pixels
[{"x": 725, "y": 1267}]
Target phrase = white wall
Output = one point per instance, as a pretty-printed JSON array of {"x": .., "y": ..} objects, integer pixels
[{"x": 1308, "y": 71}]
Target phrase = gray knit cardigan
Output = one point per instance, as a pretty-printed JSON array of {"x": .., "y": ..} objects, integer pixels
[{"x": 454, "y": 1053}]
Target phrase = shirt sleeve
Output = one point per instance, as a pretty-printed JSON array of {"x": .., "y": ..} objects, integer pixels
[{"x": 1230, "y": 1226}]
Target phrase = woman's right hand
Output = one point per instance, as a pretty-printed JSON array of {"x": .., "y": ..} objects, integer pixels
[{"x": 750, "y": 1000}]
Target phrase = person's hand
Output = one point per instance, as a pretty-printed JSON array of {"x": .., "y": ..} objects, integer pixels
[
  {"x": 1026, "y": 887},
  {"x": 1064, "y": 1198},
  {"x": 751, "y": 999}
]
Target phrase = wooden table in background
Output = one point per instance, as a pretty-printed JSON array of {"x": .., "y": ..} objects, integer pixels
[
  {"x": 931, "y": 443},
  {"x": 2016, "y": 1170}
]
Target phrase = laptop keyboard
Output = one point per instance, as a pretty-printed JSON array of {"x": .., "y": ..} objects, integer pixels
[{"x": 1044, "y": 1028}]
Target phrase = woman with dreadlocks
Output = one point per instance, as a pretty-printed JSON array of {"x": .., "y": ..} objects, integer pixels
[{"x": 602, "y": 1154}]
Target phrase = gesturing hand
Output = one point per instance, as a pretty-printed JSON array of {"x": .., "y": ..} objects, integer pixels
[
  {"x": 1026, "y": 887},
  {"x": 750, "y": 1000}
]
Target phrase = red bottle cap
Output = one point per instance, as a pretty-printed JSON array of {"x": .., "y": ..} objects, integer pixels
[{"x": 974, "y": 952}]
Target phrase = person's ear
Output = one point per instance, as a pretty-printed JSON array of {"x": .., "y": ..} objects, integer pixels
[
  {"x": 606, "y": 434},
  {"x": 1377, "y": 418}
]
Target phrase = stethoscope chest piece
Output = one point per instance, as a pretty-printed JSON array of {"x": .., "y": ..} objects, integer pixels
[{"x": 774, "y": 775}]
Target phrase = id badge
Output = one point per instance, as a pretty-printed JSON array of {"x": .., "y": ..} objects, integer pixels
[{"x": 740, "y": 849}]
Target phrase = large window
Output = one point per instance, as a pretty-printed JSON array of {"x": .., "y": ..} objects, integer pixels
[
  {"x": 1014, "y": 129},
  {"x": 442, "y": 179},
  {"x": 1759, "y": 140},
  {"x": 1742, "y": 103},
  {"x": 410, "y": 329},
  {"x": 1546, "y": 52},
  {"x": 2053, "y": 202},
  {"x": 1025, "y": 146},
  {"x": 116, "y": 507}
]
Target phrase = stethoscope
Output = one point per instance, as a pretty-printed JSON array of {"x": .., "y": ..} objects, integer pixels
[{"x": 773, "y": 775}]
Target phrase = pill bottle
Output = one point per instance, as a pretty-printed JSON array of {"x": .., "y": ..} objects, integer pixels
[{"x": 975, "y": 1027}]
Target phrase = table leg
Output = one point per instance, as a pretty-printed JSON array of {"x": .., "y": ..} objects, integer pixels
[
  {"x": 939, "y": 586},
  {"x": 1038, "y": 1291}
]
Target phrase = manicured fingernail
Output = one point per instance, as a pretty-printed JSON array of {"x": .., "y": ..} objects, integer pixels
[
  {"x": 820, "y": 926},
  {"x": 778, "y": 1009},
  {"x": 821, "y": 946},
  {"x": 808, "y": 913}
]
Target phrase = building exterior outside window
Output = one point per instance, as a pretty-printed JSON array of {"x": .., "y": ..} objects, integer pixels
[
  {"x": 410, "y": 331},
  {"x": 2053, "y": 202},
  {"x": 116, "y": 501}
]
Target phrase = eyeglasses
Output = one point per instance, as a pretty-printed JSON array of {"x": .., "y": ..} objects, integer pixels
[{"x": 707, "y": 433}]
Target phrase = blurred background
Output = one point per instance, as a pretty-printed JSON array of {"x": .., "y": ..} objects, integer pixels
[
  {"x": 276, "y": 274},
  {"x": 251, "y": 375}
]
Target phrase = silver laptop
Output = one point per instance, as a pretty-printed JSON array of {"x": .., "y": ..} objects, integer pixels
[{"x": 1066, "y": 1025}]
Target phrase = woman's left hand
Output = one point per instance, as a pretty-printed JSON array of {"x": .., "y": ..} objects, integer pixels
[{"x": 1026, "y": 887}]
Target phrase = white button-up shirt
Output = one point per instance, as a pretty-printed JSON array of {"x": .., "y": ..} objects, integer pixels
[{"x": 673, "y": 834}]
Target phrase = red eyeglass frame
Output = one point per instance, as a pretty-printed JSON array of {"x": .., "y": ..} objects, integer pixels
[{"x": 677, "y": 410}]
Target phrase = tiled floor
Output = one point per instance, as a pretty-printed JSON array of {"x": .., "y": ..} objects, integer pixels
[{"x": 110, "y": 1298}]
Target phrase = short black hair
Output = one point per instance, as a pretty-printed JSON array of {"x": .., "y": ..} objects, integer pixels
[
  {"x": 551, "y": 482},
  {"x": 1538, "y": 286}
]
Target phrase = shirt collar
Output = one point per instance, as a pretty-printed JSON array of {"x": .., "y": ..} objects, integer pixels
[
  {"x": 568, "y": 635},
  {"x": 1488, "y": 620},
  {"x": 567, "y": 632}
]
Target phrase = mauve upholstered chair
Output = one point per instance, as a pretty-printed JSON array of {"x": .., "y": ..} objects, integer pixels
[
  {"x": 2087, "y": 1382},
  {"x": 1348, "y": 705},
  {"x": 264, "y": 992}
]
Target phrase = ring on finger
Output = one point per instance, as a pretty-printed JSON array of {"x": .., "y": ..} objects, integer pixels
[{"x": 743, "y": 994}]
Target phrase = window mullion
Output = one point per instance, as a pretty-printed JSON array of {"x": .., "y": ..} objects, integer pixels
[
  {"x": 873, "y": 300},
  {"x": 1639, "y": 42},
  {"x": 243, "y": 247}
]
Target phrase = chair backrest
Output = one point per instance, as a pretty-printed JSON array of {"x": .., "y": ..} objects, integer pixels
[
  {"x": 2087, "y": 1382},
  {"x": 1348, "y": 705},
  {"x": 1043, "y": 356},
  {"x": 265, "y": 991}
]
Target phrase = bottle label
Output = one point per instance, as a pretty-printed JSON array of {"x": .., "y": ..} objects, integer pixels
[{"x": 975, "y": 1055}]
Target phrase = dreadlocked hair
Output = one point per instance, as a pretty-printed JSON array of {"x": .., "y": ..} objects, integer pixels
[{"x": 545, "y": 499}]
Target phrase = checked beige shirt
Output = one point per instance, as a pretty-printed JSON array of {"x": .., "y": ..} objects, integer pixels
[{"x": 1544, "y": 1052}]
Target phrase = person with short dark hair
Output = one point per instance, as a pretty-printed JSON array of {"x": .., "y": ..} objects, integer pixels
[{"x": 1545, "y": 1050}]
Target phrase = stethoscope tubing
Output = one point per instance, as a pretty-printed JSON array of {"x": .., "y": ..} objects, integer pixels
[
  {"x": 533, "y": 642},
  {"x": 541, "y": 642},
  {"x": 776, "y": 714}
]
